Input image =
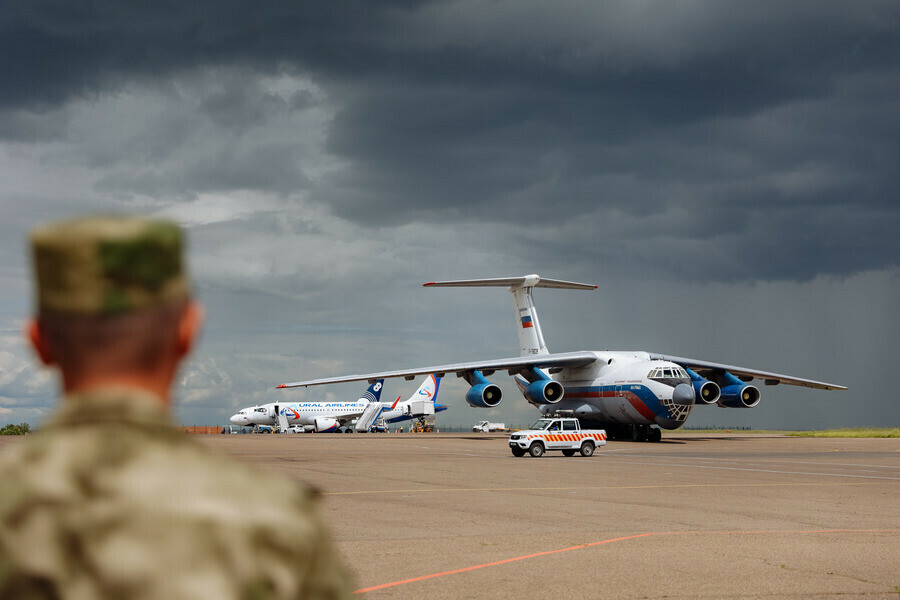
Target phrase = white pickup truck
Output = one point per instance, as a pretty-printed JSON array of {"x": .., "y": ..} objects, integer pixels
[
  {"x": 563, "y": 434},
  {"x": 487, "y": 426}
]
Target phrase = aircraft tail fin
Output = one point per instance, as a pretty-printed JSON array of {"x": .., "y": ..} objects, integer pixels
[
  {"x": 427, "y": 391},
  {"x": 373, "y": 393},
  {"x": 531, "y": 338}
]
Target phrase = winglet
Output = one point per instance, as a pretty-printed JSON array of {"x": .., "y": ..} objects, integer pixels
[
  {"x": 427, "y": 284},
  {"x": 278, "y": 387}
]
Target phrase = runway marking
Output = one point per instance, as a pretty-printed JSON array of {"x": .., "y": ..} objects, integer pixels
[
  {"x": 610, "y": 541},
  {"x": 599, "y": 487}
]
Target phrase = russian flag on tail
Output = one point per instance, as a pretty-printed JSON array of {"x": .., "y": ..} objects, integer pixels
[{"x": 526, "y": 322}]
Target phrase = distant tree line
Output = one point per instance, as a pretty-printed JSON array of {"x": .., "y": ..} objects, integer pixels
[{"x": 20, "y": 429}]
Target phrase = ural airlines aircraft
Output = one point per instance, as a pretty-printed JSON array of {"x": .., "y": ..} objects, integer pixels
[
  {"x": 628, "y": 393},
  {"x": 331, "y": 416}
]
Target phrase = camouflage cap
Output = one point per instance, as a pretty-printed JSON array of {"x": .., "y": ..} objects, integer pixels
[{"x": 107, "y": 264}]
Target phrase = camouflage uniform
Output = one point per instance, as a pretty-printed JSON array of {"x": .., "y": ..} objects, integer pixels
[{"x": 110, "y": 500}]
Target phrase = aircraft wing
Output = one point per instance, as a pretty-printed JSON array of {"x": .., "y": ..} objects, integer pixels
[
  {"x": 702, "y": 366},
  {"x": 487, "y": 367}
]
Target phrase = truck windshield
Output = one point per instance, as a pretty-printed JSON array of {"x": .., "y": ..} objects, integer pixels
[{"x": 542, "y": 424}]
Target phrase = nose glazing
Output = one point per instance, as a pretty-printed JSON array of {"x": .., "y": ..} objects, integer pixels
[{"x": 683, "y": 395}]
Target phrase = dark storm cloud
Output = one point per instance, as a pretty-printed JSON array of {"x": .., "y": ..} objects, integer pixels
[
  {"x": 668, "y": 63},
  {"x": 54, "y": 50},
  {"x": 743, "y": 140}
]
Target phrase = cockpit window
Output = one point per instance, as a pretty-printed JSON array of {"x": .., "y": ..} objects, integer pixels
[{"x": 671, "y": 376}]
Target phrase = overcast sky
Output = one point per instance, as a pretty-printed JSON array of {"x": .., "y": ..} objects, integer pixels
[{"x": 726, "y": 172}]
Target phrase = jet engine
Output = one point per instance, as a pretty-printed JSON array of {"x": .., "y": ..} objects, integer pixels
[
  {"x": 542, "y": 389},
  {"x": 325, "y": 424},
  {"x": 705, "y": 391},
  {"x": 483, "y": 393},
  {"x": 737, "y": 394}
]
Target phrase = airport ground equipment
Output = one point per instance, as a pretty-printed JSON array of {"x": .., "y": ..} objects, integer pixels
[
  {"x": 563, "y": 434},
  {"x": 423, "y": 425},
  {"x": 487, "y": 427},
  {"x": 370, "y": 414}
]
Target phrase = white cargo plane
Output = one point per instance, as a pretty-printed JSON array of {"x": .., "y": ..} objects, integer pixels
[
  {"x": 624, "y": 392},
  {"x": 360, "y": 415}
]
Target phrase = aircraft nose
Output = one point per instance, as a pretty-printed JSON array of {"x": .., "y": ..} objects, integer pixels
[
  {"x": 238, "y": 419},
  {"x": 683, "y": 395}
]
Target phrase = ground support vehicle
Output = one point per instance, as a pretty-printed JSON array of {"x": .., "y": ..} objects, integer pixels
[
  {"x": 423, "y": 425},
  {"x": 563, "y": 434},
  {"x": 488, "y": 427}
]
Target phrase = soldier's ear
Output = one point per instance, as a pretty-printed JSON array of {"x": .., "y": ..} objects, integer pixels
[
  {"x": 189, "y": 327},
  {"x": 39, "y": 342}
]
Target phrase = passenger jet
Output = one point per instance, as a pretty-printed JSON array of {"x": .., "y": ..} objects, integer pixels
[
  {"x": 332, "y": 416},
  {"x": 628, "y": 393}
]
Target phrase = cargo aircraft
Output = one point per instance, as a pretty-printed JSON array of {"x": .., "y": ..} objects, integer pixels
[
  {"x": 628, "y": 393},
  {"x": 361, "y": 415}
]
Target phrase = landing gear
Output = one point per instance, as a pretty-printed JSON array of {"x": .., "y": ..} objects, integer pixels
[
  {"x": 639, "y": 433},
  {"x": 645, "y": 433},
  {"x": 635, "y": 433}
]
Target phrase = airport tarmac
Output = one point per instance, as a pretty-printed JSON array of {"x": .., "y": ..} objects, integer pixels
[{"x": 696, "y": 516}]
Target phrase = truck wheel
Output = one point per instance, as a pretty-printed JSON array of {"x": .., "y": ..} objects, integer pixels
[
  {"x": 587, "y": 449},
  {"x": 568, "y": 453},
  {"x": 536, "y": 450},
  {"x": 518, "y": 452}
]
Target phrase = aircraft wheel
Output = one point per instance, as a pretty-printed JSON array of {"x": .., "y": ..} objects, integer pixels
[
  {"x": 568, "y": 453},
  {"x": 536, "y": 450},
  {"x": 655, "y": 435},
  {"x": 518, "y": 452},
  {"x": 587, "y": 449}
]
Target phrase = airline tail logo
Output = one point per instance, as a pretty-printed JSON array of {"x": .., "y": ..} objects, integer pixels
[
  {"x": 374, "y": 392},
  {"x": 526, "y": 322}
]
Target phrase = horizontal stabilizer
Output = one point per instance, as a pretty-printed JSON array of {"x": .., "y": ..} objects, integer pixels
[{"x": 514, "y": 283}]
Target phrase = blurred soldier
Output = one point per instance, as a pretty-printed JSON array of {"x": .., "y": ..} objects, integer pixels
[{"x": 109, "y": 499}]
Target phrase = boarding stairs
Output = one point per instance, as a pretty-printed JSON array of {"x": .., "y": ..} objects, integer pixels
[
  {"x": 282, "y": 418},
  {"x": 369, "y": 416}
]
